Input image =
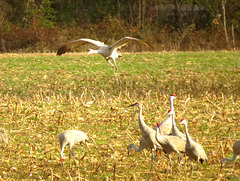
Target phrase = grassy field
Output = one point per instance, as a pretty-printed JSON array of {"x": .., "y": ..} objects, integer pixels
[{"x": 43, "y": 95}]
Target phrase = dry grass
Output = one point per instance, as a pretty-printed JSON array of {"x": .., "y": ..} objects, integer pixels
[{"x": 34, "y": 119}]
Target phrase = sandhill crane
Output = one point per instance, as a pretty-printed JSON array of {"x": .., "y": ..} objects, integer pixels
[
  {"x": 3, "y": 137},
  {"x": 109, "y": 52},
  {"x": 170, "y": 143},
  {"x": 70, "y": 137},
  {"x": 148, "y": 134},
  {"x": 193, "y": 149},
  {"x": 236, "y": 152},
  {"x": 166, "y": 124}
]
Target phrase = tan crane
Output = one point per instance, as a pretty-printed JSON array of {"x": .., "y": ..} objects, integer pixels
[
  {"x": 109, "y": 52},
  {"x": 193, "y": 149},
  {"x": 236, "y": 153},
  {"x": 148, "y": 140},
  {"x": 70, "y": 137},
  {"x": 170, "y": 144}
]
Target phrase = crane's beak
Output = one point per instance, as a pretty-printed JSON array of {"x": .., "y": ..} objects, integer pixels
[{"x": 133, "y": 104}]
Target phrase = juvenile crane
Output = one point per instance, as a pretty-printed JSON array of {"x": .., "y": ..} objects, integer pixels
[
  {"x": 109, "y": 52},
  {"x": 170, "y": 144},
  {"x": 148, "y": 134},
  {"x": 236, "y": 153},
  {"x": 193, "y": 149},
  {"x": 70, "y": 137}
]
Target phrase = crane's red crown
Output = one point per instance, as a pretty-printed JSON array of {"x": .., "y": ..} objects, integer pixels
[
  {"x": 89, "y": 50},
  {"x": 169, "y": 110},
  {"x": 173, "y": 95},
  {"x": 158, "y": 124},
  {"x": 182, "y": 120}
]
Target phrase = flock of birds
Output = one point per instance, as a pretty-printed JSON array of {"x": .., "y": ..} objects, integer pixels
[{"x": 164, "y": 136}]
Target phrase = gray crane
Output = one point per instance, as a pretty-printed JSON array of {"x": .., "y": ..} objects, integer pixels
[
  {"x": 3, "y": 137},
  {"x": 170, "y": 144},
  {"x": 148, "y": 140},
  {"x": 193, "y": 149},
  {"x": 109, "y": 52},
  {"x": 70, "y": 137},
  {"x": 236, "y": 153}
]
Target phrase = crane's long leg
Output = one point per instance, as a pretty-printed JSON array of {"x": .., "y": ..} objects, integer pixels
[
  {"x": 179, "y": 159},
  {"x": 115, "y": 65},
  {"x": 170, "y": 160},
  {"x": 153, "y": 151},
  {"x": 191, "y": 167}
]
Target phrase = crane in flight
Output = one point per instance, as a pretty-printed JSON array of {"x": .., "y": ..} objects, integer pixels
[{"x": 109, "y": 52}]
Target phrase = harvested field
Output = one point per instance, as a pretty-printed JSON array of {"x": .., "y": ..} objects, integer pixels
[{"x": 43, "y": 95}]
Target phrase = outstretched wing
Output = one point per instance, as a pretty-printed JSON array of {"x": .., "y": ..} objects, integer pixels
[
  {"x": 126, "y": 40},
  {"x": 69, "y": 46}
]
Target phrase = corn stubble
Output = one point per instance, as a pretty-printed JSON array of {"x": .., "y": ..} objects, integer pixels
[{"x": 33, "y": 123}]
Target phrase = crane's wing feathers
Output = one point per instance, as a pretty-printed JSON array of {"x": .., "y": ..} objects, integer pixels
[
  {"x": 69, "y": 46},
  {"x": 124, "y": 41}
]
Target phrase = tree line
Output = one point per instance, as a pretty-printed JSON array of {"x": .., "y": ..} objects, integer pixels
[{"x": 144, "y": 14}]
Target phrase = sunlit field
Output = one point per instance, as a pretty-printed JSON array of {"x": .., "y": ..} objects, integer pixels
[{"x": 43, "y": 95}]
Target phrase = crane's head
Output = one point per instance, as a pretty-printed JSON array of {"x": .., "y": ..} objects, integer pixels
[
  {"x": 223, "y": 161},
  {"x": 172, "y": 96},
  {"x": 183, "y": 121},
  {"x": 158, "y": 125},
  {"x": 170, "y": 112},
  {"x": 91, "y": 51}
]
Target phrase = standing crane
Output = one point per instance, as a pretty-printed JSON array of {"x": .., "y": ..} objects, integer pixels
[
  {"x": 109, "y": 52},
  {"x": 3, "y": 137},
  {"x": 193, "y": 149},
  {"x": 236, "y": 153},
  {"x": 148, "y": 134},
  {"x": 170, "y": 144},
  {"x": 70, "y": 137}
]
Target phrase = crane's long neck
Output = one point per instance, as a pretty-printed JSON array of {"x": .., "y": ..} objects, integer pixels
[
  {"x": 171, "y": 104},
  {"x": 234, "y": 157},
  {"x": 142, "y": 125},
  {"x": 189, "y": 139},
  {"x": 136, "y": 149},
  {"x": 173, "y": 120}
]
